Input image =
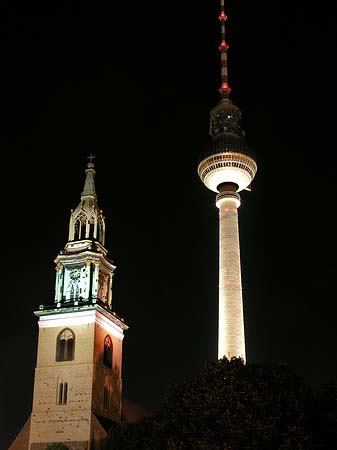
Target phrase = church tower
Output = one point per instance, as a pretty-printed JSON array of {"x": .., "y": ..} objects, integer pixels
[{"x": 78, "y": 381}]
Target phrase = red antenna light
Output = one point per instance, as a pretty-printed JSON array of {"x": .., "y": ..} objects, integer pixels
[
  {"x": 224, "y": 89},
  {"x": 223, "y": 47},
  {"x": 222, "y": 16}
]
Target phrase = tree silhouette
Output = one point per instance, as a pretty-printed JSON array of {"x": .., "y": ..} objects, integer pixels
[{"x": 236, "y": 406}]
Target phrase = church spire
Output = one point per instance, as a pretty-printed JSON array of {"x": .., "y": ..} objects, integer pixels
[
  {"x": 89, "y": 186},
  {"x": 87, "y": 221}
]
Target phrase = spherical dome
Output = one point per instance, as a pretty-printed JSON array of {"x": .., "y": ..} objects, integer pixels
[
  {"x": 228, "y": 167},
  {"x": 229, "y": 160}
]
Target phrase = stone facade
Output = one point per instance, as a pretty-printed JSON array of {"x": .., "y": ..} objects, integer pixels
[
  {"x": 50, "y": 421},
  {"x": 72, "y": 445},
  {"x": 106, "y": 377},
  {"x": 88, "y": 381}
]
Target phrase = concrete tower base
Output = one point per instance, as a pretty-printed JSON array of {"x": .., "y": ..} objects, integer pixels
[{"x": 231, "y": 325}]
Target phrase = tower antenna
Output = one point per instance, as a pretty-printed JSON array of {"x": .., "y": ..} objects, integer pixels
[{"x": 223, "y": 47}]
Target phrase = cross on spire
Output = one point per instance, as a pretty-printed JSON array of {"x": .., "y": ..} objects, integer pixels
[{"x": 91, "y": 157}]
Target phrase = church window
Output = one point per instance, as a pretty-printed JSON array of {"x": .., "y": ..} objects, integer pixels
[
  {"x": 100, "y": 231},
  {"x": 106, "y": 397},
  {"x": 62, "y": 396},
  {"x": 107, "y": 354},
  {"x": 65, "y": 345},
  {"x": 92, "y": 227},
  {"x": 80, "y": 227},
  {"x": 77, "y": 229}
]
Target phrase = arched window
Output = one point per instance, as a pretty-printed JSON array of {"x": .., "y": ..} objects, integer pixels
[
  {"x": 107, "y": 354},
  {"x": 65, "y": 345},
  {"x": 80, "y": 227}
]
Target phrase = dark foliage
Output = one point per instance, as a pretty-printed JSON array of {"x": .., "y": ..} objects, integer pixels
[
  {"x": 233, "y": 406},
  {"x": 323, "y": 418}
]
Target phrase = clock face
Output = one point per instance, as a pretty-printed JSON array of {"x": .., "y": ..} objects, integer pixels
[{"x": 75, "y": 274}]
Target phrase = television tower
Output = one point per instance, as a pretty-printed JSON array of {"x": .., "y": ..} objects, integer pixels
[{"x": 228, "y": 169}]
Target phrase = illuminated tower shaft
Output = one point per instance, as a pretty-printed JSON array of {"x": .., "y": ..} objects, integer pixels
[
  {"x": 231, "y": 338},
  {"x": 228, "y": 168}
]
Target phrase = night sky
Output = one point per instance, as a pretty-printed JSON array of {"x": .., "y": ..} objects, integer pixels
[{"x": 133, "y": 83}]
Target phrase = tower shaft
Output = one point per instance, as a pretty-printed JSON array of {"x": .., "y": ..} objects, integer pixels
[{"x": 231, "y": 337}]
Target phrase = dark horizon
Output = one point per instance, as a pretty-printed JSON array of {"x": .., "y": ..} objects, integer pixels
[{"x": 136, "y": 90}]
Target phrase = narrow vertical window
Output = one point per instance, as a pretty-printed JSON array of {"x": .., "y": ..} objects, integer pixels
[
  {"x": 65, "y": 345},
  {"x": 77, "y": 230},
  {"x": 83, "y": 229},
  {"x": 70, "y": 349},
  {"x": 62, "y": 394},
  {"x": 107, "y": 354},
  {"x": 100, "y": 231},
  {"x": 106, "y": 397},
  {"x": 65, "y": 393}
]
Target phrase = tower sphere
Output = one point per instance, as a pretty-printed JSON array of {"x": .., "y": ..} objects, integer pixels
[{"x": 230, "y": 160}]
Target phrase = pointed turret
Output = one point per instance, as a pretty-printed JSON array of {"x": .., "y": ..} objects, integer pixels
[
  {"x": 89, "y": 186},
  {"x": 87, "y": 221}
]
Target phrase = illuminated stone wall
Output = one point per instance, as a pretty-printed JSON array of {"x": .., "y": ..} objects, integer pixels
[
  {"x": 231, "y": 324},
  {"x": 71, "y": 445},
  {"x": 104, "y": 376},
  {"x": 86, "y": 376},
  {"x": 50, "y": 421}
]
